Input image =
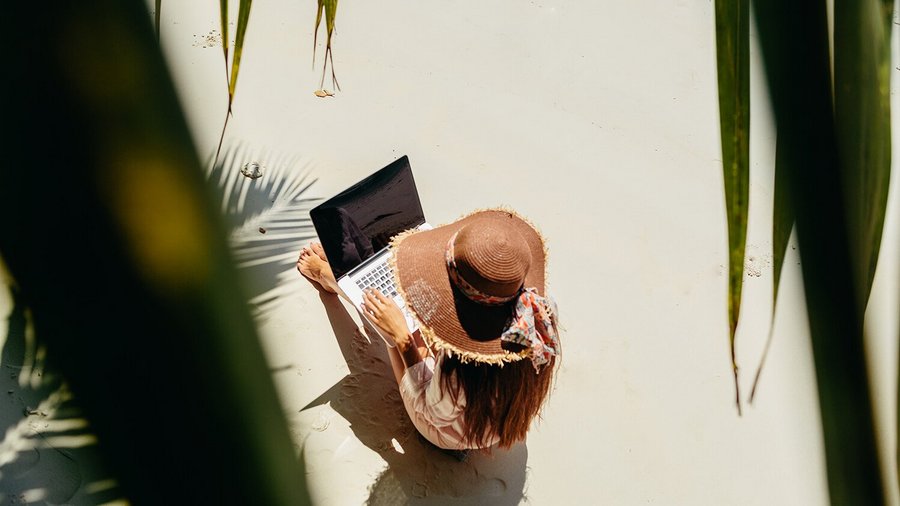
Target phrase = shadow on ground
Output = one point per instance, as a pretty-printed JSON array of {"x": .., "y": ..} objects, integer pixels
[
  {"x": 263, "y": 197},
  {"x": 48, "y": 454},
  {"x": 417, "y": 472}
]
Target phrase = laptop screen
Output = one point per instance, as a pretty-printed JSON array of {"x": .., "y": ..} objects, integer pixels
[{"x": 361, "y": 220}]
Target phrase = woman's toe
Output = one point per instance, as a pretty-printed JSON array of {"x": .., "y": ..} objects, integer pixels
[{"x": 318, "y": 250}]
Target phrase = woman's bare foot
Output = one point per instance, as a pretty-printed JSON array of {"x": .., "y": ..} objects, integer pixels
[
  {"x": 313, "y": 266},
  {"x": 318, "y": 250}
]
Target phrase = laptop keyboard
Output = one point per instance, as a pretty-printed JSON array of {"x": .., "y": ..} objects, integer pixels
[{"x": 380, "y": 278}]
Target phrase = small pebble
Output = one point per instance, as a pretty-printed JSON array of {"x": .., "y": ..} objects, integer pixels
[
  {"x": 262, "y": 230},
  {"x": 252, "y": 170}
]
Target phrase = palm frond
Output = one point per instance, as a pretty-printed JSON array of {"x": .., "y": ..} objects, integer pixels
[
  {"x": 232, "y": 76},
  {"x": 862, "y": 108},
  {"x": 329, "y": 9},
  {"x": 154, "y": 333},
  {"x": 794, "y": 40},
  {"x": 223, "y": 25},
  {"x": 733, "y": 63},
  {"x": 782, "y": 224},
  {"x": 241, "y": 30}
]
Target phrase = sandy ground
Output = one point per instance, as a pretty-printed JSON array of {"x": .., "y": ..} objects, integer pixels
[{"x": 598, "y": 121}]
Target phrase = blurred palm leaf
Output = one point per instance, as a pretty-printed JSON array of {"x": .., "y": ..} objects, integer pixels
[
  {"x": 794, "y": 39},
  {"x": 862, "y": 115},
  {"x": 159, "y": 347},
  {"x": 156, "y": 17},
  {"x": 329, "y": 8},
  {"x": 733, "y": 59},
  {"x": 862, "y": 65}
]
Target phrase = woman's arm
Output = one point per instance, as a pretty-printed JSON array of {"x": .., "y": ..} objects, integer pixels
[
  {"x": 411, "y": 354},
  {"x": 387, "y": 316}
]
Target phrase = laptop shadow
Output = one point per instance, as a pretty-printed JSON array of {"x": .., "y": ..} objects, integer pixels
[{"x": 417, "y": 472}]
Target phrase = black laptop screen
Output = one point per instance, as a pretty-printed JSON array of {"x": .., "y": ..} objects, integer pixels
[{"x": 361, "y": 220}]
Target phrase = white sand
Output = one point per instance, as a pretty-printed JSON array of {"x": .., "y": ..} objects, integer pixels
[{"x": 598, "y": 120}]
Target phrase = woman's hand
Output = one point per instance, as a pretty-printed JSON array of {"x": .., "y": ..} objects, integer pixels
[{"x": 387, "y": 316}]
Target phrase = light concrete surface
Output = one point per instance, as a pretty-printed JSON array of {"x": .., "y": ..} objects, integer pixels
[{"x": 598, "y": 121}]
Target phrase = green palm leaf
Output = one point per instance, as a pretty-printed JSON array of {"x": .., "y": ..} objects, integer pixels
[
  {"x": 223, "y": 25},
  {"x": 862, "y": 110},
  {"x": 794, "y": 39},
  {"x": 231, "y": 78},
  {"x": 733, "y": 62},
  {"x": 243, "y": 18},
  {"x": 862, "y": 32},
  {"x": 782, "y": 224},
  {"x": 862, "y": 65},
  {"x": 158, "y": 345},
  {"x": 329, "y": 9}
]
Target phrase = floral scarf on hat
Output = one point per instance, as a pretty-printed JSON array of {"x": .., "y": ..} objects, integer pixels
[{"x": 534, "y": 326}]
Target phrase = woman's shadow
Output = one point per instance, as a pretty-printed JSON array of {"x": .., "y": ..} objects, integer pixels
[{"x": 418, "y": 472}]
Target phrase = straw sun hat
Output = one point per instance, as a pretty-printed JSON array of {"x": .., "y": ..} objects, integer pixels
[{"x": 477, "y": 288}]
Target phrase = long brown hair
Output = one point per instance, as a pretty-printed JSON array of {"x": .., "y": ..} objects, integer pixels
[{"x": 500, "y": 401}]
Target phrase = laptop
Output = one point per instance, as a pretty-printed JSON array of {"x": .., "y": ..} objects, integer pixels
[{"x": 356, "y": 226}]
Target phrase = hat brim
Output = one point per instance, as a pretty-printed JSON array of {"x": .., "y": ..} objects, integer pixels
[{"x": 448, "y": 319}]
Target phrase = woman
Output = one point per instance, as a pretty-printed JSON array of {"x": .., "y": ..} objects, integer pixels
[{"x": 477, "y": 290}]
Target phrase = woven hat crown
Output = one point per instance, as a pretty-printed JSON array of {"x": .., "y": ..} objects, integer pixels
[{"x": 492, "y": 257}]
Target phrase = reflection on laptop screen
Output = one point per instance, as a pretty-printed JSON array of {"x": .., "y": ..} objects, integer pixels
[{"x": 360, "y": 221}]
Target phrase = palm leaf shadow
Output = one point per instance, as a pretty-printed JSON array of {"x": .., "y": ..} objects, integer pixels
[
  {"x": 268, "y": 217},
  {"x": 46, "y": 442}
]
